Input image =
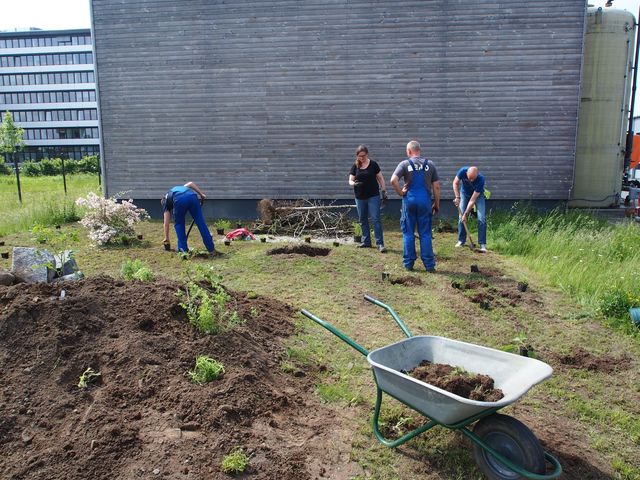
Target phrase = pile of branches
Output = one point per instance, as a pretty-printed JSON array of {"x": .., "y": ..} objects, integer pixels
[{"x": 286, "y": 217}]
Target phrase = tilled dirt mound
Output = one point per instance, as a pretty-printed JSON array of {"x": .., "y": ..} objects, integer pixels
[{"x": 144, "y": 418}]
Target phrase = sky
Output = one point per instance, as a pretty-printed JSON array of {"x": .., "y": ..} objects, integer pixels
[
  {"x": 68, "y": 14},
  {"x": 44, "y": 14}
]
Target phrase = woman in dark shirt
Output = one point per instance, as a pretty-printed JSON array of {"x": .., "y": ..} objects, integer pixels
[{"x": 367, "y": 181}]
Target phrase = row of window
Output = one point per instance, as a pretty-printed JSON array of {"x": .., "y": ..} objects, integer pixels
[
  {"x": 47, "y": 78},
  {"x": 75, "y": 152},
  {"x": 45, "y": 41},
  {"x": 46, "y": 59},
  {"x": 55, "y": 115},
  {"x": 59, "y": 133},
  {"x": 48, "y": 97}
]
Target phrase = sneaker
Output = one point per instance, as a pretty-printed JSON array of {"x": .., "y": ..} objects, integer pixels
[
  {"x": 362, "y": 245},
  {"x": 459, "y": 244},
  {"x": 431, "y": 270},
  {"x": 382, "y": 249},
  {"x": 483, "y": 248}
]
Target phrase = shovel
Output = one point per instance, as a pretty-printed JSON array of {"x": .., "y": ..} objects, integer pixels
[{"x": 472, "y": 245}]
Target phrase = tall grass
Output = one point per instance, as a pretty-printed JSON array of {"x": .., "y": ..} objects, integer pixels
[
  {"x": 585, "y": 256},
  {"x": 43, "y": 200}
]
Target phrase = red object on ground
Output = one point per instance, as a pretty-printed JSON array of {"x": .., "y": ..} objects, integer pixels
[{"x": 241, "y": 233}]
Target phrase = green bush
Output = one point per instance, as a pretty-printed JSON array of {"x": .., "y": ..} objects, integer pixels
[
  {"x": 5, "y": 169},
  {"x": 617, "y": 302},
  {"x": 53, "y": 166},
  {"x": 136, "y": 270}
]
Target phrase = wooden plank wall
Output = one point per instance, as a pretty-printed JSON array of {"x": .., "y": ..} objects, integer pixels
[{"x": 255, "y": 99}]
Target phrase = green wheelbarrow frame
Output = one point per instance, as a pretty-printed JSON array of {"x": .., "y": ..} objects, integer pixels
[{"x": 460, "y": 426}]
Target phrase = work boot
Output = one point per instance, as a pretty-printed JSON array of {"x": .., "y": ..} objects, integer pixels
[{"x": 459, "y": 244}]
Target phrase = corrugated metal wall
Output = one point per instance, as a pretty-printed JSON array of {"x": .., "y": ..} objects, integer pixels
[{"x": 255, "y": 99}]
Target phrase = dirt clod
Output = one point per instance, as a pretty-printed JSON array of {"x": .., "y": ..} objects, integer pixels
[
  {"x": 407, "y": 281},
  {"x": 307, "y": 250},
  {"x": 457, "y": 381},
  {"x": 580, "y": 358}
]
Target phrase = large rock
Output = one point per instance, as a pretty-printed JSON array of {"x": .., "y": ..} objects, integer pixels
[
  {"x": 33, "y": 264},
  {"x": 6, "y": 278}
]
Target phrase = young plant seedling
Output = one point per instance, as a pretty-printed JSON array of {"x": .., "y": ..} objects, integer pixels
[
  {"x": 136, "y": 270},
  {"x": 236, "y": 462},
  {"x": 205, "y": 370},
  {"x": 87, "y": 377}
]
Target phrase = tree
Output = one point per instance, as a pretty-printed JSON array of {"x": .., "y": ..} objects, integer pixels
[{"x": 11, "y": 141}]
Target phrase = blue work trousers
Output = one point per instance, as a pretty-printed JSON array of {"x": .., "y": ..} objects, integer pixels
[
  {"x": 481, "y": 209},
  {"x": 416, "y": 212},
  {"x": 188, "y": 202},
  {"x": 370, "y": 207}
]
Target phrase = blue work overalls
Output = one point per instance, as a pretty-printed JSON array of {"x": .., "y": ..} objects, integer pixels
[
  {"x": 416, "y": 210},
  {"x": 186, "y": 200}
]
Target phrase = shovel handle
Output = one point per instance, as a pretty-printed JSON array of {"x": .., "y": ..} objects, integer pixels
[{"x": 466, "y": 229}]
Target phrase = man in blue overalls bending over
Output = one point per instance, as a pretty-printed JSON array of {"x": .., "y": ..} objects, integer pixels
[
  {"x": 468, "y": 187},
  {"x": 179, "y": 201},
  {"x": 420, "y": 177}
]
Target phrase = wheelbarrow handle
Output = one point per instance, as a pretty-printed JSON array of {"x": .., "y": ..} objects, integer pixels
[
  {"x": 336, "y": 332},
  {"x": 395, "y": 316}
]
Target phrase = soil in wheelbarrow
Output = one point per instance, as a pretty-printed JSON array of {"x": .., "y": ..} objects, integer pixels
[
  {"x": 143, "y": 418},
  {"x": 457, "y": 381}
]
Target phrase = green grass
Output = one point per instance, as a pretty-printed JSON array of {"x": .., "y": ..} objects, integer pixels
[
  {"x": 584, "y": 256},
  {"x": 43, "y": 200}
]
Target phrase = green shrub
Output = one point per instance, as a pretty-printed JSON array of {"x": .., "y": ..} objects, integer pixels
[
  {"x": 617, "y": 302},
  {"x": 5, "y": 169},
  {"x": 30, "y": 169},
  {"x": 236, "y": 462},
  {"x": 207, "y": 307},
  {"x": 357, "y": 229},
  {"x": 222, "y": 224},
  {"x": 136, "y": 270},
  {"x": 205, "y": 370}
]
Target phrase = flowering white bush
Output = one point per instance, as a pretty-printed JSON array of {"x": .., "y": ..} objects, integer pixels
[{"x": 108, "y": 220}]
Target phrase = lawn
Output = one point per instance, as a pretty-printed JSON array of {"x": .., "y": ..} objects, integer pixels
[
  {"x": 43, "y": 200},
  {"x": 587, "y": 414}
]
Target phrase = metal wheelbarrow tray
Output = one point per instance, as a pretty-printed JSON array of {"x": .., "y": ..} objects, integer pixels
[
  {"x": 513, "y": 374},
  {"x": 503, "y": 447}
]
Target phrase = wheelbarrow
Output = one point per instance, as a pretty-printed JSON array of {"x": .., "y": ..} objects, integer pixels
[{"x": 503, "y": 447}]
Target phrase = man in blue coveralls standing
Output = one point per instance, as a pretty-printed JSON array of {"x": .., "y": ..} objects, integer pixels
[
  {"x": 180, "y": 200},
  {"x": 471, "y": 193},
  {"x": 420, "y": 177}
]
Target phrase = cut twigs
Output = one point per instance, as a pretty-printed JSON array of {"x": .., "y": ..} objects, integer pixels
[{"x": 302, "y": 216}]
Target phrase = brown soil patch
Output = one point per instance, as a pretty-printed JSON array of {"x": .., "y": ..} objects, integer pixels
[
  {"x": 301, "y": 250},
  {"x": 580, "y": 358},
  {"x": 144, "y": 418},
  {"x": 463, "y": 384},
  {"x": 483, "y": 300},
  {"x": 407, "y": 281}
]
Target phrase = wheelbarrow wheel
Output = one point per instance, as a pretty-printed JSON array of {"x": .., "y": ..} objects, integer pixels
[{"x": 514, "y": 440}]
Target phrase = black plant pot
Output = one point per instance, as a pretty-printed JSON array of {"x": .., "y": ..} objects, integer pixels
[
  {"x": 227, "y": 242},
  {"x": 357, "y": 238},
  {"x": 58, "y": 227},
  {"x": 307, "y": 239},
  {"x": 139, "y": 237},
  {"x": 522, "y": 286},
  {"x": 385, "y": 276},
  {"x": 5, "y": 254},
  {"x": 167, "y": 247},
  {"x": 263, "y": 240},
  {"x": 336, "y": 244},
  {"x": 2, "y": 244},
  {"x": 220, "y": 231},
  {"x": 475, "y": 269}
]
